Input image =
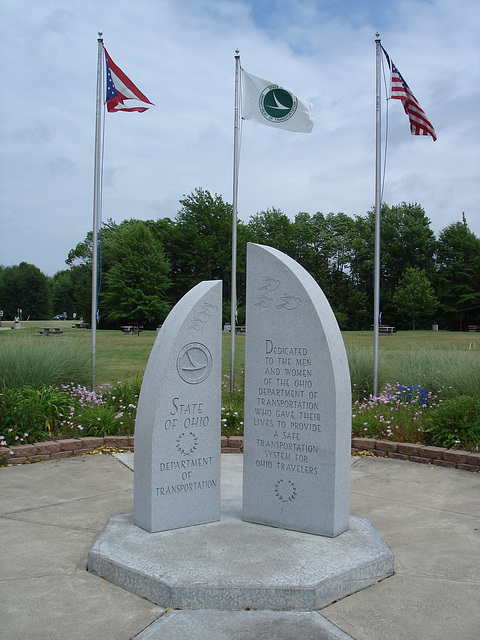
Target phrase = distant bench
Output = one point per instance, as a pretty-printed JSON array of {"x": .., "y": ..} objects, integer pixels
[
  {"x": 132, "y": 329},
  {"x": 238, "y": 328},
  {"x": 80, "y": 325},
  {"x": 49, "y": 331},
  {"x": 382, "y": 328},
  {"x": 474, "y": 327}
]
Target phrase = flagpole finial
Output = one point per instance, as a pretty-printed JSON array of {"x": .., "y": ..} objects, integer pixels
[
  {"x": 377, "y": 36},
  {"x": 100, "y": 35},
  {"x": 237, "y": 53}
]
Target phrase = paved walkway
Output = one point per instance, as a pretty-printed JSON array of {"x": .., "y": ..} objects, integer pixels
[{"x": 51, "y": 514}]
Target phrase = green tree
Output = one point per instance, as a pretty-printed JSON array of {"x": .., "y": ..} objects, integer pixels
[
  {"x": 82, "y": 254},
  {"x": 273, "y": 228},
  {"x": 25, "y": 287},
  {"x": 64, "y": 292},
  {"x": 406, "y": 241},
  {"x": 309, "y": 237},
  {"x": 80, "y": 273},
  {"x": 323, "y": 246},
  {"x": 136, "y": 280},
  {"x": 340, "y": 287},
  {"x": 199, "y": 246},
  {"x": 415, "y": 296},
  {"x": 458, "y": 271},
  {"x": 303, "y": 240}
]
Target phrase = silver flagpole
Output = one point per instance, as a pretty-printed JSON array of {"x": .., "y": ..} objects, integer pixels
[
  {"x": 236, "y": 146},
  {"x": 96, "y": 206},
  {"x": 378, "y": 152}
]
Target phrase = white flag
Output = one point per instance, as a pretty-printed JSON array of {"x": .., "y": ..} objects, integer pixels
[{"x": 271, "y": 104}]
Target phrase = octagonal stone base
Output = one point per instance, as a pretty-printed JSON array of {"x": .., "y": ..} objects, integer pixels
[{"x": 234, "y": 565}]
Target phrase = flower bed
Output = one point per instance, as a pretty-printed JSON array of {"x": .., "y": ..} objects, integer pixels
[{"x": 404, "y": 422}]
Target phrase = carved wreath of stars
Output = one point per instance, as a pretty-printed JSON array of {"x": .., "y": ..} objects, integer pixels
[
  {"x": 285, "y": 490},
  {"x": 187, "y": 443}
]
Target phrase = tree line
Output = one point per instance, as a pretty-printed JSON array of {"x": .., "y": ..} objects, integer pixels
[{"x": 146, "y": 266}]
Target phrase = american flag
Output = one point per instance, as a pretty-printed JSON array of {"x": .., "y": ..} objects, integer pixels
[
  {"x": 120, "y": 88},
  {"x": 420, "y": 125}
]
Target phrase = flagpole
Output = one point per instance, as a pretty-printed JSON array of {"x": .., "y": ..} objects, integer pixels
[
  {"x": 96, "y": 205},
  {"x": 236, "y": 146},
  {"x": 376, "y": 262}
]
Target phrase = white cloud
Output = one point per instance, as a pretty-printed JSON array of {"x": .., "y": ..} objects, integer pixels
[{"x": 181, "y": 55}]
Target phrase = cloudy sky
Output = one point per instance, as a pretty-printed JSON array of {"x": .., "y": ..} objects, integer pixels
[{"x": 180, "y": 53}]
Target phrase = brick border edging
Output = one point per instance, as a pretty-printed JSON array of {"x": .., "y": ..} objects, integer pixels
[
  {"x": 70, "y": 447},
  {"x": 438, "y": 456},
  {"x": 67, "y": 448}
]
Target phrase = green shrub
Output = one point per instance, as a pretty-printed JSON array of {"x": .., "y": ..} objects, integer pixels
[
  {"x": 455, "y": 424},
  {"x": 399, "y": 413},
  {"x": 43, "y": 363},
  {"x": 9, "y": 432},
  {"x": 111, "y": 411},
  {"x": 121, "y": 396},
  {"x": 31, "y": 415},
  {"x": 123, "y": 400},
  {"x": 232, "y": 407},
  {"x": 232, "y": 420},
  {"x": 99, "y": 421}
]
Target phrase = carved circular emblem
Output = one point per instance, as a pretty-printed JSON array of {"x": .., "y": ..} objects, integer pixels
[
  {"x": 194, "y": 363},
  {"x": 277, "y": 104},
  {"x": 285, "y": 490},
  {"x": 187, "y": 442}
]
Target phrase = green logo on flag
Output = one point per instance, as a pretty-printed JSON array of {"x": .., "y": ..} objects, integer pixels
[{"x": 277, "y": 104}]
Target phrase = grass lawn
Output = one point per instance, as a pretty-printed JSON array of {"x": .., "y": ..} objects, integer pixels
[
  {"x": 124, "y": 357},
  {"x": 410, "y": 339}
]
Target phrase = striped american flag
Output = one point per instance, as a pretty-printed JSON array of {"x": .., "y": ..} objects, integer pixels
[{"x": 420, "y": 125}]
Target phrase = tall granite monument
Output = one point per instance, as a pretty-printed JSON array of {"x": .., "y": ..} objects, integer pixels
[
  {"x": 177, "y": 431},
  {"x": 297, "y": 444}
]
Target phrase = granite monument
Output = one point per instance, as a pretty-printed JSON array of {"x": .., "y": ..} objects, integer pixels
[
  {"x": 297, "y": 425},
  {"x": 177, "y": 430}
]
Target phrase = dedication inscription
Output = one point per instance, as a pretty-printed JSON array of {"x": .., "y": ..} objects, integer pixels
[
  {"x": 177, "y": 431},
  {"x": 297, "y": 401}
]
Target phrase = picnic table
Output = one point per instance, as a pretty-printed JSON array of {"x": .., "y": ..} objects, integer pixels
[
  {"x": 238, "y": 328},
  {"x": 51, "y": 331},
  {"x": 80, "y": 325},
  {"x": 132, "y": 329},
  {"x": 383, "y": 328}
]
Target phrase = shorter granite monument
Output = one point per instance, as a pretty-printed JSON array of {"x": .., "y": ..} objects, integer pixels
[
  {"x": 177, "y": 430},
  {"x": 297, "y": 423}
]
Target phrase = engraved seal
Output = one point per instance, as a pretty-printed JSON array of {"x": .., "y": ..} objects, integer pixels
[{"x": 194, "y": 363}]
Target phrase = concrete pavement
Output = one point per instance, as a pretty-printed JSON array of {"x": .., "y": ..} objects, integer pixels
[{"x": 51, "y": 513}]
